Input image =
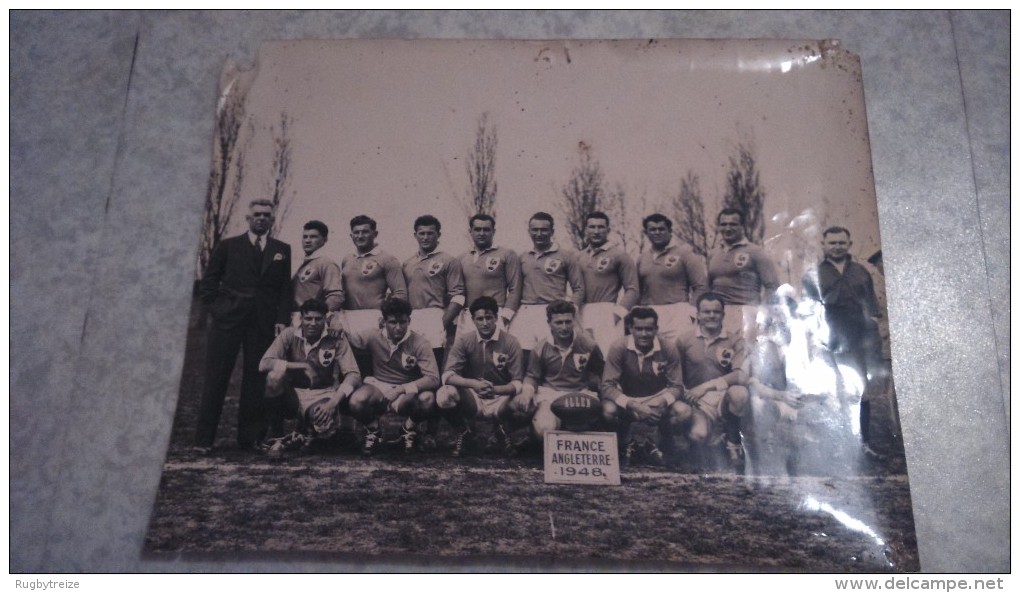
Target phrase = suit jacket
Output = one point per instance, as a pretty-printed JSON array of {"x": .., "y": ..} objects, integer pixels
[{"x": 235, "y": 283}]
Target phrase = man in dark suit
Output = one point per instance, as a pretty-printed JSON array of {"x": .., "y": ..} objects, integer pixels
[{"x": 247, "y": 290}]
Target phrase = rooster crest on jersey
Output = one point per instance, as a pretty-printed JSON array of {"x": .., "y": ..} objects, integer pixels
[
  {"x": 306, "y": 274},
  {"x": 602, "y": 264},
  {"x": 326, "y": 357},
  {"x": 499, "y": 360},
  {"x": 671, "y": 260},
  {"x": 725, "y": 357},
  {"x": 580, "y": 360},
  {"x": 657, "y": 367},
  {"x": 740, "y": 260},
  {"x": 552, "y": 265},
  {"x": 408, "y": 361},
  {"x": 434, "y": 268},
  {"x": 368, "y": 267},
  {"x": 491, "y": 264}
]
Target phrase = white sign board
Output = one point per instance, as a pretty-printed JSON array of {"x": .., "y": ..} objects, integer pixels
[{"x": 581, "y": 458}]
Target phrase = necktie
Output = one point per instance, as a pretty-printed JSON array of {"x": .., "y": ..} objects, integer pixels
[{"x": 258, "y": 251}]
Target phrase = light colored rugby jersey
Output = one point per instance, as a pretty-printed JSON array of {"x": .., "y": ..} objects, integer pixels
[
  {"x": 318, "y": 277},
  {"x": 740, "y": 271},
  {"x": 578, "y": 367},
  {"x": 674, "y": 275},
  {"x": 409, "y": 361},
  {"x": 497, "y": 360},
  {"x": 434, "y": 280},
  {"x": 703, "y": 358},
  {"x": 632, "y": 373},
  {"x": 605, "y": 270},
  {"x": 546, "y": 274},
  {"x": 368, "y": 276},
  {"x": 495, "y": 272},
  {"x": 330, "y": 358}
]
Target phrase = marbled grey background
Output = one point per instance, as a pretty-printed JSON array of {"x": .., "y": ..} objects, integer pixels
[{"x": 110, "y": 136}]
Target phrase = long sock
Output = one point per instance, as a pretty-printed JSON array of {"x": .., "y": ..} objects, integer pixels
[{"x": 732, "y": 426}]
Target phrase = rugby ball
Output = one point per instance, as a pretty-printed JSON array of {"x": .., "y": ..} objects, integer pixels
[{"x": 576, "y": 408}]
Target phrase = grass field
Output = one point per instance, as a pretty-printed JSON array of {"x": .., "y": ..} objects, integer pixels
[{"x": 430, "y": 507}]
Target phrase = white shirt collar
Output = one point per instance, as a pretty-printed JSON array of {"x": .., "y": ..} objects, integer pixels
[
  {"x": 373, "y": 251},
  {"x": 656, "y": 346},
  {"x": 393, "y": 347},
  {"x": 604, "y": 247},
  {"x": 698, "y": 332},
  {"x": 563, "y": 351},
  {"x": 495, "y": 335},
  {"x": 739, "y": 243},
  {"x": 490, "y": 248},
  {"x": 552, "y": 248},
  {"x": 670, "y": 245},
  {"x": 308, "y": 345},
  {"x": 252, "y": 237}
]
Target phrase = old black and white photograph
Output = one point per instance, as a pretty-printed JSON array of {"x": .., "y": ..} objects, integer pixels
[{"x": 541, "y": 304}]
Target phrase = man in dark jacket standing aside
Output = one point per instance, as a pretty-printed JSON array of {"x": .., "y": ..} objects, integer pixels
[
  {"x": 247, "y": 290},
  {"x": 846, "y": 293}
]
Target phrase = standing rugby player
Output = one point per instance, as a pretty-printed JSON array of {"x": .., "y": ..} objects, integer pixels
[
  {"x": 740, "y": 272},
  {"x": 671, "y": 276},
  {"x": 546, "y": 270},
  {"x": 489, "y": 271},
  {"x": 369, "y": 276},
  {"x": 435, "y": 285},
  {"x": 318, "y": 277},
  {"x": 610, "y": 282}
]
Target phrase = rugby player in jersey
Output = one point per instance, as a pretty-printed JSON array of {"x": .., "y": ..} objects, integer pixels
[
  {"x": 370, "y": 275},
  {"x": 741, "y": 272},
  {"x": 310, "y": 375},
  {"x": 435, "y": 285},
  {"x": 318, "y": 277},
  {"x": 671, "y": 276},
  {"x": 781, "y": 414},
  {"x": 642, "y": 383},
  {"x": 484, "y": 371},
  {"x": 490, "y": 271},
  {"x": 610, "y": 282},
  {"x": 546, "y": 271},
  {"x": 569, "y": 361},
  {"x": 404, "y": 376},
  {"x": 435, "y": 288},
  {"x": 712, "y": 361}
]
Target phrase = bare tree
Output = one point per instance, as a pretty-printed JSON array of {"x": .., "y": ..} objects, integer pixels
[
  {"x": 277, "y": 186},
  {"x": 744, "y": 191},
  {"x": 481, "y": 170},
  {"x": 626, "y": 214},
  {"x": 227, "y": 171},
  {"x": 583, "y": 193},
  {"x": 688, "y": 210}
]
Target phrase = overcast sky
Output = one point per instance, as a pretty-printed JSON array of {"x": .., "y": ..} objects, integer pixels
[{"x": 384, "y": 128}]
